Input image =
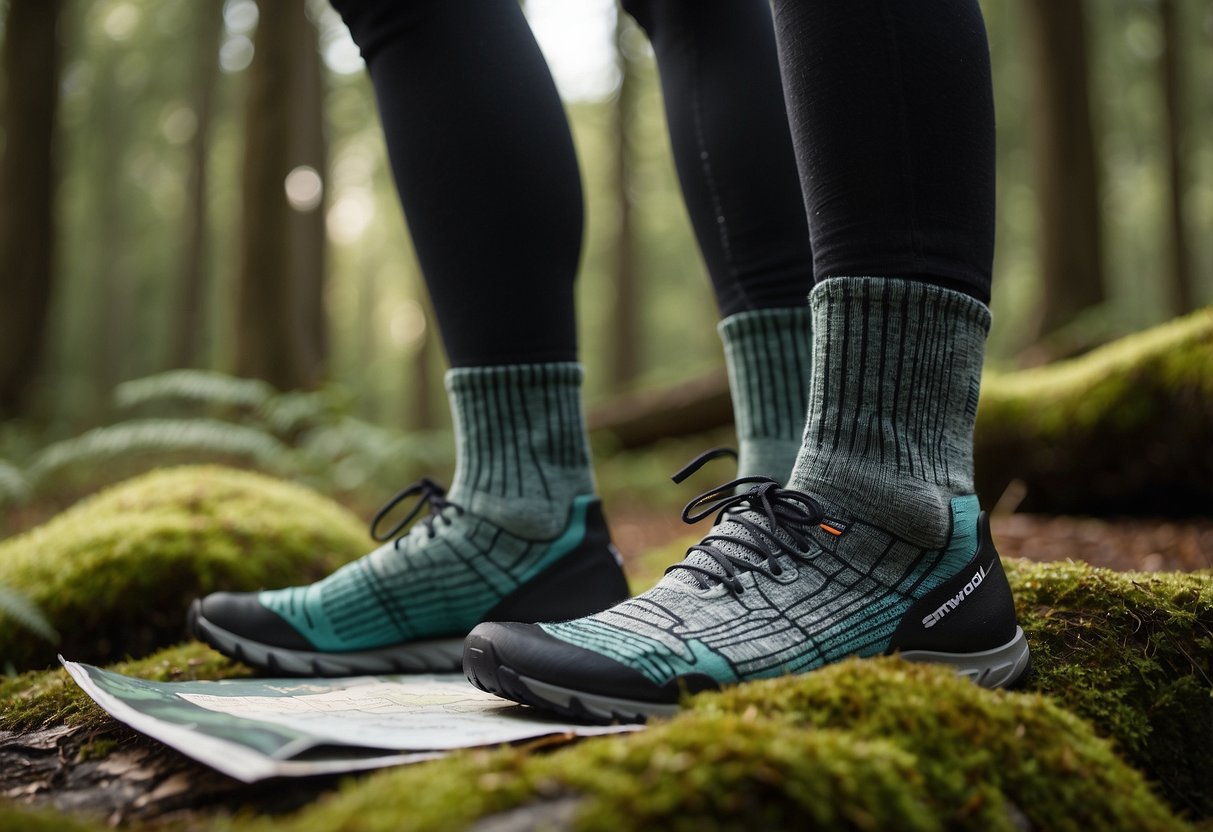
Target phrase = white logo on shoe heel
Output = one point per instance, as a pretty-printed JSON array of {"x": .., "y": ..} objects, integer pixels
[{"x": 954, "y": 602}]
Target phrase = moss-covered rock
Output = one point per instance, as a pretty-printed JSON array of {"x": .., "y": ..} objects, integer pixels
[
  {"x": 1127, "y": 428},
  {"x": 861, "y": 745},
  {"x": 115, "y": 573},
  {"x": 742, "y": 771},
  {"x": 716, "y": 771},
  {"x": 1133, "y": 653},
  {"x": 985, "y": 757}
]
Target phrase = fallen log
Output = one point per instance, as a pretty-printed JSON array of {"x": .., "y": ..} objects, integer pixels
[
  {"x": 1125, "y": 429},
  {"x": 641, "y": 418}
]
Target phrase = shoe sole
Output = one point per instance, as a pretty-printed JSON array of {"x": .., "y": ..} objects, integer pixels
[
  {"x": 1006, "y": 666},
  {"x": 1003, "y": 667},
  {"x": 432, "y": 656},
  {"x": 484, "y": 670}
]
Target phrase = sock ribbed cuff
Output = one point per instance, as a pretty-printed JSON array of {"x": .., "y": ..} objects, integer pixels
[
  {"x": 897, "y": 373},
  {"x": 768, "y": 353},
  {"x": 521, "y": 446}
]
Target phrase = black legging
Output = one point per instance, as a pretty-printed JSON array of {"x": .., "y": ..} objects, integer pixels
[
  {"x": 892, "y": 111},
  {"x": 485, "y": 167}
]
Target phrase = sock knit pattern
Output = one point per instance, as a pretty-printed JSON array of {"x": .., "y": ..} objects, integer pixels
[
  {"x": 896, "y": 377},
  {"x": 521, "y": 445},
  {"x": 769, "y": 354}
]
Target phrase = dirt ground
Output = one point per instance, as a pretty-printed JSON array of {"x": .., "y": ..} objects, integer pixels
[{"x": 1135, "y": 544}]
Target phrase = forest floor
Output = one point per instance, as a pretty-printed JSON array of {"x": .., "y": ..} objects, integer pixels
[
  {"x": 1131, "y": 544},
  {"x": 117, "y": 776}
]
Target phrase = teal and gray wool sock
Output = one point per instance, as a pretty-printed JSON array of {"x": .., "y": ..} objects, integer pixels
[
  {"x": 521, "y": 445},
  {"x": 897, "y": 373},
  {"x": 768, "y": 353}
]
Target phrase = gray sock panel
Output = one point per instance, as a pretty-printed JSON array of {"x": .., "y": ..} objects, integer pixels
[
  {"x": 769, "y": 355},
  {"x": 521, "y": 447},
  {"x": 897, "y": 371}
]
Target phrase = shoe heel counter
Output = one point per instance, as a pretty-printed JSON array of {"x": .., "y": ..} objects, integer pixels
[
  {"x": 587, "y": 579},
  {"x": 972, "y": 611}
]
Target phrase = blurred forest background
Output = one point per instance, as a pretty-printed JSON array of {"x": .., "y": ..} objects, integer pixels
[{"x": 203, "y": 185}]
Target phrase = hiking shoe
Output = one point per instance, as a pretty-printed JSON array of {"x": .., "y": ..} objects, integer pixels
[
  {"x": 407, "y": 606},
  {"x": 777, "y": 587}
]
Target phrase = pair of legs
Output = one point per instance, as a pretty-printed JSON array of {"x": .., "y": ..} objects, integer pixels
[{"x": 839, "y": 151}]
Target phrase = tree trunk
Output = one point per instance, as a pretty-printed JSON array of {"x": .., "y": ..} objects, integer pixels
[
  {"x": 1182, "y": 289},
  {"x": 110, "y": 282},
  {"x": 643, "y": 417},
  {"x": 309, "y": 236},
  {"x": 1067, "y": 171},
  {"x": 422, "y": 408},
  {"x": 27, "y": 191},
  {"x": 280, "y": 273},
  {"x": 625, "y": 329},
  {"x": 190, "y": 314}
]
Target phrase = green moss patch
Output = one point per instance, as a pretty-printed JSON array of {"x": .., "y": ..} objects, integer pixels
[
  {"x": 17, "y": 819},
  {"x": 42, "y": 698},
  {"x": 115, "y": 573},
  {"x": 985, "y": 757},
  {"x": 1133, "y": 653}
]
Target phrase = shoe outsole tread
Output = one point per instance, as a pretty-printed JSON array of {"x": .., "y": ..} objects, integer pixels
[{"x": 434, "y": 656}]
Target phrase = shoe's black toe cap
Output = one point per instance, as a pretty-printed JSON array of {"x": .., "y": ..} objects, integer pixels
[
  {"x": 528, "y": 651},
  {"x": 241, "y": 614}
]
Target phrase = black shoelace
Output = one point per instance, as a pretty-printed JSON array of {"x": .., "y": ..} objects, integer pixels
[
  {"x": 429, "y": 494},
  {"x": 785, "y": 510}
]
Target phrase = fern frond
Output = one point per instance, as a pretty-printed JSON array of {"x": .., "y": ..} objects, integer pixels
[
  {"x": 287, "y": 414},
  {"x": 13, "y": 485},
  {"x": 202, "y": 436},
  {"x": 20, "y": 609},
  {"x": 204, "y": 387},
  {"x": 353, "y": 454}
]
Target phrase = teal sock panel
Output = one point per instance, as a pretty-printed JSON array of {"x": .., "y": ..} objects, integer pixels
[
  {"x": 521, "y": 446},
  {"x": 769, "y": 354},
  {"x": 896, "y": 376}
]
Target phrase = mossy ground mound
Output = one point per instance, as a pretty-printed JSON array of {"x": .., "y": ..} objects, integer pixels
[
  {"x": 14, "y": 819},
  {"x": 115, "y": 573},
  {"x": 1133, "y": 653}
]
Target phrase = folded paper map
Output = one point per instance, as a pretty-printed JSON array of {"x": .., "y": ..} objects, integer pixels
[{"x": 252, "y": 729}]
